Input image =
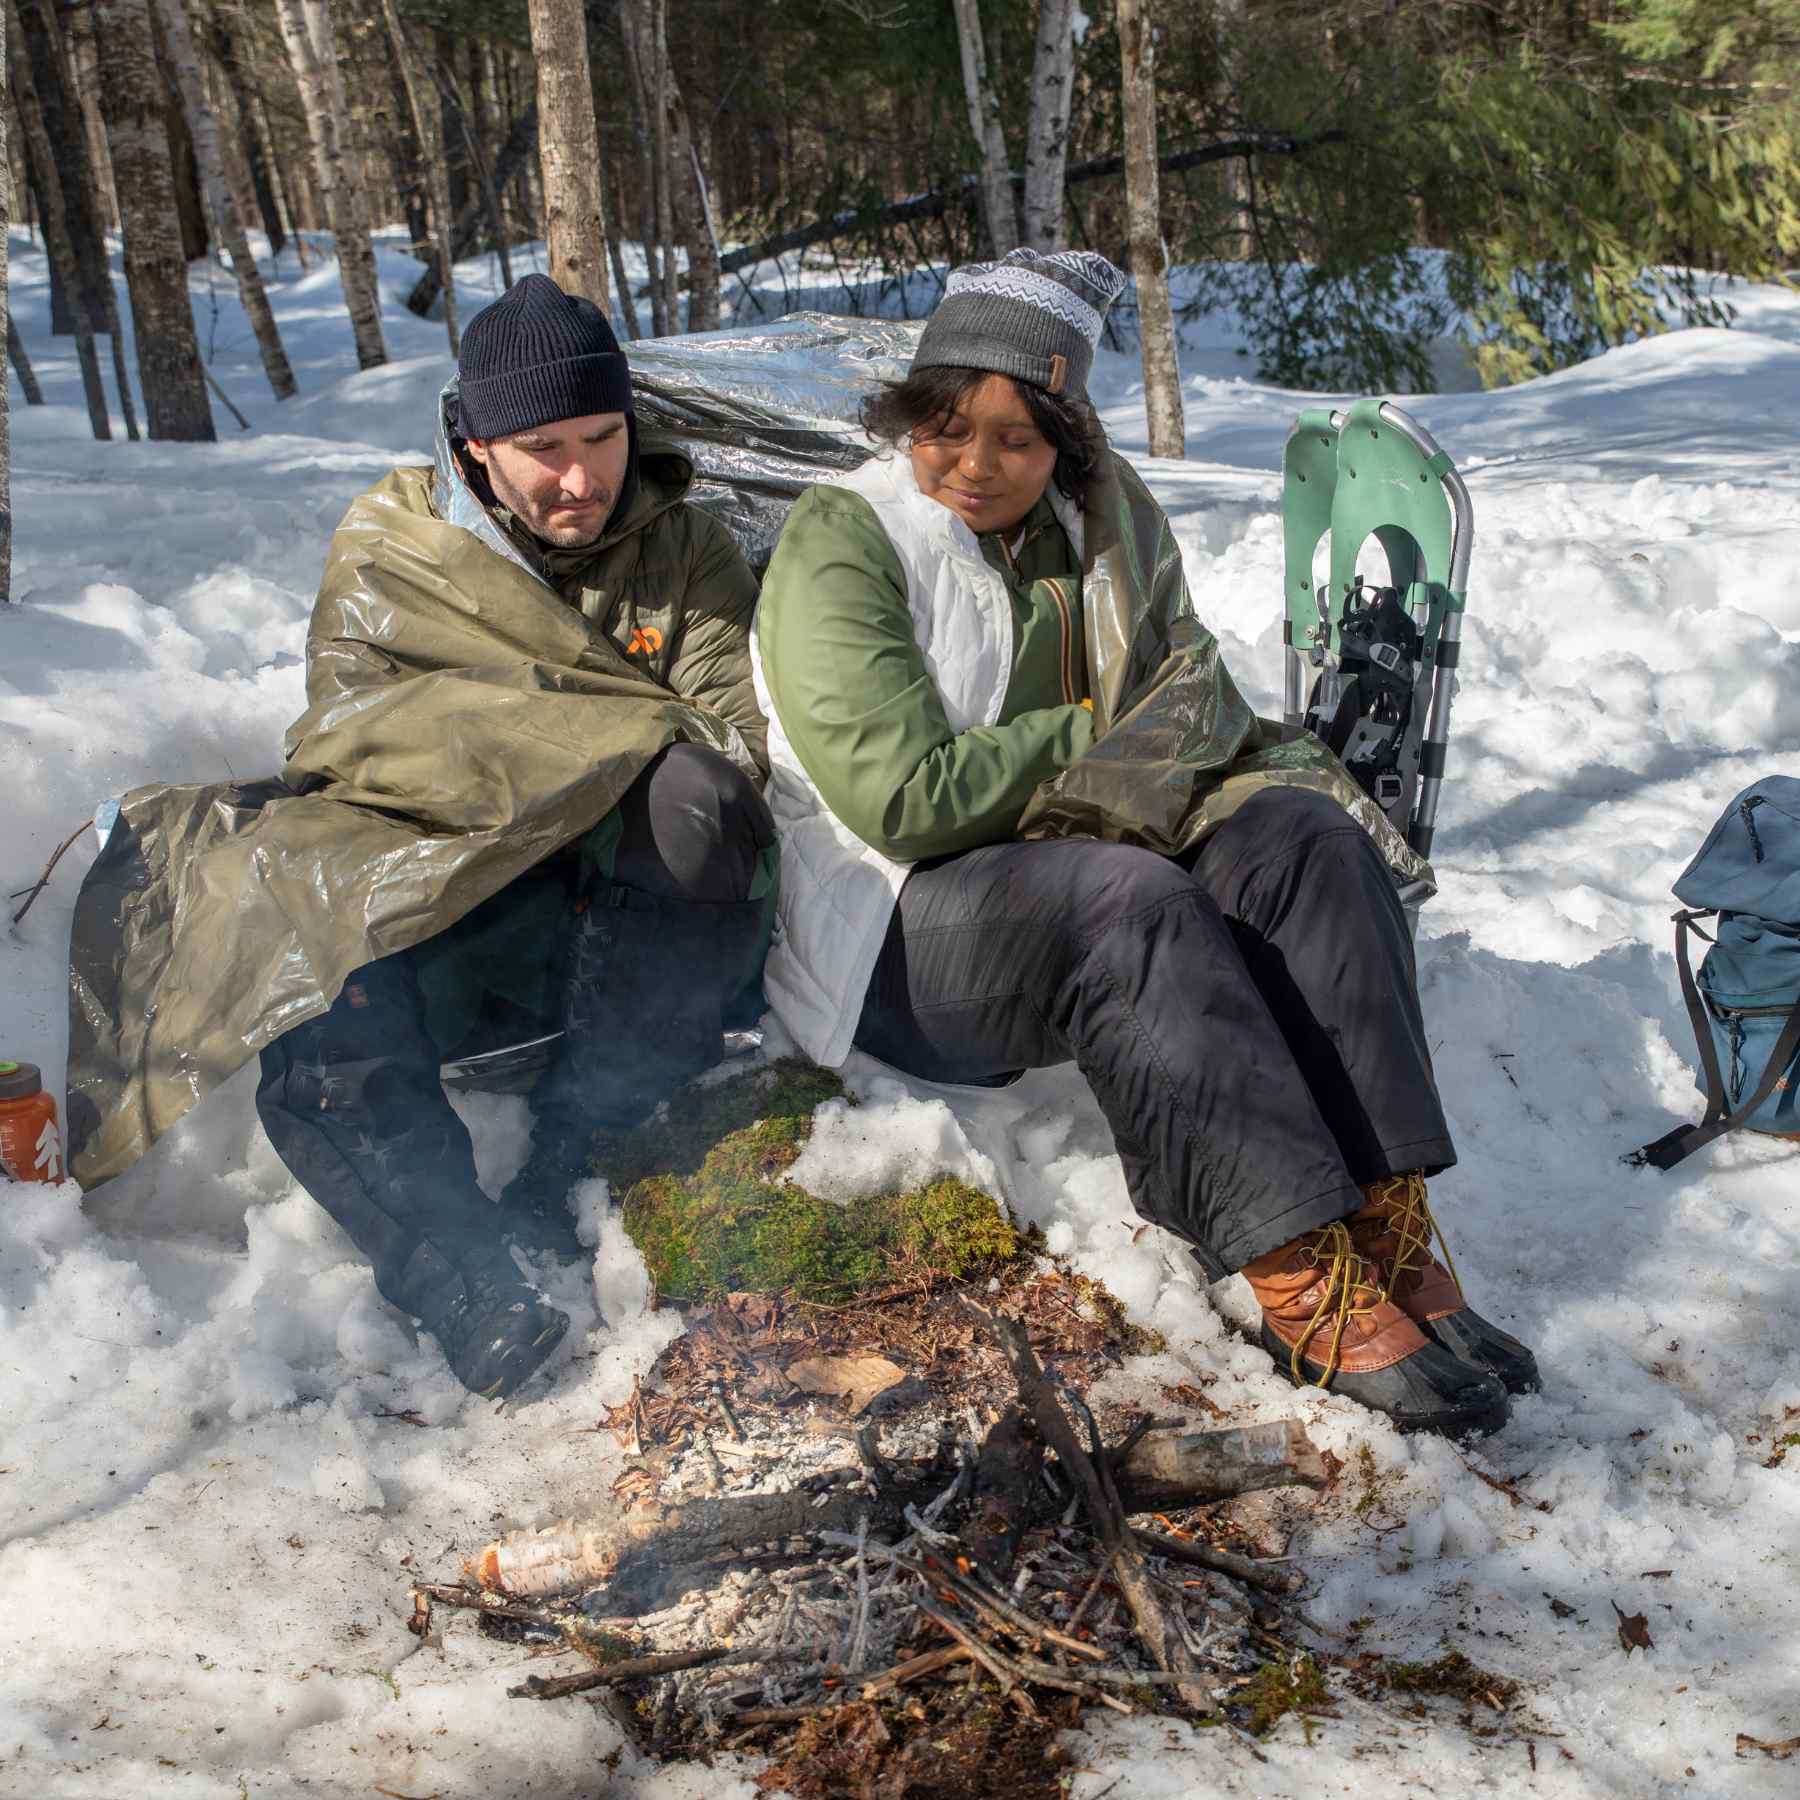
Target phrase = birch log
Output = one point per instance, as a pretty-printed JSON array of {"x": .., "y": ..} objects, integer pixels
[
  {"x": 569, "y": 151},
  {"x": 231, "y": 224},
  {"x": 648, "y": 1553},
  {"x": 1047, "y": 129},
  {"x": 1149, "y": 255}
]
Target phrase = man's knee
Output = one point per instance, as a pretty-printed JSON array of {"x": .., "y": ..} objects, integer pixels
[{"x": 695, "y": 826}]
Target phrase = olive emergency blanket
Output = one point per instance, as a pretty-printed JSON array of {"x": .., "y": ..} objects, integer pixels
[
  {"x": 1177, "y": 749},
  {"x": 465, "y": 724}
]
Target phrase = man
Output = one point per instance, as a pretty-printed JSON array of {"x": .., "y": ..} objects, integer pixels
[{"x": 528, "y": 780}]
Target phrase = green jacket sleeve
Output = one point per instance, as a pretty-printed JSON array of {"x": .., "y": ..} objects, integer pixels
[
  {"x": 711, "y": 661},
  {"x": 857, "y": 703}
]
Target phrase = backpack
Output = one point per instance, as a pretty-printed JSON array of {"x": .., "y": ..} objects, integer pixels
[{"x": 1745, "y": 1006}]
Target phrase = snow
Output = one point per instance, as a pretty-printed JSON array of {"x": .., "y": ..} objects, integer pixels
[{"x": 210, "y": 1506}]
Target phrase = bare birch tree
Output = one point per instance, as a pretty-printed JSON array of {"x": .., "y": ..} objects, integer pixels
[
  {"x": 1047, "y": 129},
  {"x": 54, "y": 219},
  {"x": 228, "y": 221},
  {"x": 168, "y": 351},
  {"x": 997, "y": 208},
  {"x": 306, "y": 30},
  {"x": 11, "y": 332},
  {"x": 569, "y": 151},
  {"x": 437, "y": 181},
  {"x": 1149, "y": 255}
]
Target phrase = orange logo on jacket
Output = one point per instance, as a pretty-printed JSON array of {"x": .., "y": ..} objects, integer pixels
[{"x": 646, "y": 640}]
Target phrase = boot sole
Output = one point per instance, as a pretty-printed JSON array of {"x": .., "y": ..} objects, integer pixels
[
  {"x": 1471, "y": 1339},
  {"x": 499, "y": 1375},
  {"x": 1469, "y": 1401}
]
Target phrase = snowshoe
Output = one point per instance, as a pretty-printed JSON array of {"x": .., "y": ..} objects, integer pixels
[{"x": 1382, "y": 657}]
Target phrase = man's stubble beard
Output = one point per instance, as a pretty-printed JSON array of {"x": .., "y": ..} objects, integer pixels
[{"x": 561, "y": 537}]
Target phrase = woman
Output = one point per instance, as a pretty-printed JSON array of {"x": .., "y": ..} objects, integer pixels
[{"x": 1245, "y": 1012}]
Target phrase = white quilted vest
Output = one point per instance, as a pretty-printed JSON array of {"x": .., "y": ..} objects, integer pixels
[{"x": 837, "y": 893}]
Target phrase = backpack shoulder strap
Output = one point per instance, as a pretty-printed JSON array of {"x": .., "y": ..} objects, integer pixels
[{"x": 1684, "y": 1140}]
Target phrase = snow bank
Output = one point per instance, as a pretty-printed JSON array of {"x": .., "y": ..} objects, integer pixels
[{"x": 224, "y": 1456}]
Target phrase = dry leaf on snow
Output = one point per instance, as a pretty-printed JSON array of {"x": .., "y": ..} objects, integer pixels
[
  {"x": 1781, "y": 1750},
  {"x": 1634, "y": 1630},
  {"x": 855, "y": 1380}
]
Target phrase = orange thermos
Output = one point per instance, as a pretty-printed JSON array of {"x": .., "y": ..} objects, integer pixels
[{"x": 30, "y": 1139}]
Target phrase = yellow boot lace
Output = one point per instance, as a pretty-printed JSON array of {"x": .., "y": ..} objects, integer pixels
[
  {"x": 1346, "y": 1269},
  {"x": 1410, "y": 1218}
]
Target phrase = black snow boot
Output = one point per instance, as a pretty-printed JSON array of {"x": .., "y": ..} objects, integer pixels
[
  {"x": 1327, "y": 1323},
  {"x": 352, "y": 1104},
  {"x": 645, "y": 987}
]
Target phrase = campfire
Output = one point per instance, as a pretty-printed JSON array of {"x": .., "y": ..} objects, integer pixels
[{"x": 894, "y": 1535}]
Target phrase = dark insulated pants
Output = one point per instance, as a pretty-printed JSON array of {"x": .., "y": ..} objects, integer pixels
[
  {"x": 352, "y": 1102},
  {"x": 1249, "y": 1023}
]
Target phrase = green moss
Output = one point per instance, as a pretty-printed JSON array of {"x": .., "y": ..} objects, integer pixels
[
  {"x": 1451, "y": 1674},
  {"x": 708, "y": 1209},
  {"x": 1279, "y": 1688},
  {"x": 679, "y": 1141}
]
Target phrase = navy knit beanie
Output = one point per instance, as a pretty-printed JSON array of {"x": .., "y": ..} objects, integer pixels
[{"x": 535, "y": 356}]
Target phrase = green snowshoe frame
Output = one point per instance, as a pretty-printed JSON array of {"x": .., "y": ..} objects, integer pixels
[{"x": 1372, "y": 471}]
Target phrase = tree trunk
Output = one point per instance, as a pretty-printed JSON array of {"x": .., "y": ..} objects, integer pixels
[
  {"x": 312, "y": 49},
  {"x": 437, "y": 183},
  {"x": 635, "y": 28},
  {"x": 12, "y": 337},
  {"x": 997, "y": 207},
  {"x": 168, "y": 352},
  {"x": 1149, "y": 255},
  {"x": 247, "y": 170},
  {"x": 1047, "y": 132},
  {"x": 693, "y": 216},
  {"x": 569, "y": 151},
  {"x": 84, "y": 79},
  {"x": 191, "y": 199},
  {"x": 521, "y": 141},
  {"x": 653, "y": 27},
  {"x": 627, "y": 306},
  {"x": 204, "y": 130},
  {"x": 457, "y": 167},
  {"x": 16, "y": 353},
  {"x": 41, "y": 47},
  {"x": 475, "y": 128},
  {"x": 42, "y": 162}
]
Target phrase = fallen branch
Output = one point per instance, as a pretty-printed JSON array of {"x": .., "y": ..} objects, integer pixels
[
  {"x": 642, "y": 1668},
  {"x": 966, "y": 192},
  {"x": 1156, "y": 1631},
  {"x": 1204, "y": 1556},
  {"x": 43, "y": 881}
]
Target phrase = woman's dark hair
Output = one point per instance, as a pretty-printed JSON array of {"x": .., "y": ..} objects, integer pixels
[{"x": 929, "y": 397}]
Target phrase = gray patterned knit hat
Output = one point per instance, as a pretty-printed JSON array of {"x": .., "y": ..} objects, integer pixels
[{"x": 1035, "y": 315}]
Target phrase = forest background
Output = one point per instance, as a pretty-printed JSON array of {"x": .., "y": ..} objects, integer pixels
[{"x": 1356, "y": 178}]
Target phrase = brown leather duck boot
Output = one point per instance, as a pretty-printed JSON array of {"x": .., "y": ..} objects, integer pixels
[
  {"x": 1326, "y": 1318},
  {"x": 1394, "y": 1231}
]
